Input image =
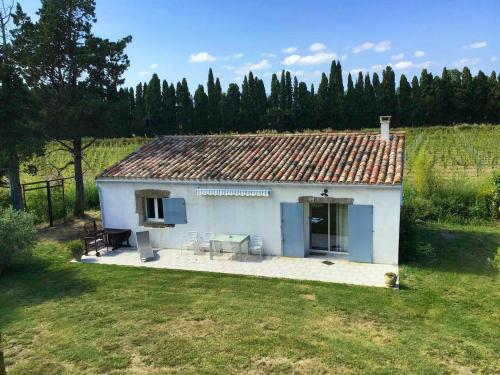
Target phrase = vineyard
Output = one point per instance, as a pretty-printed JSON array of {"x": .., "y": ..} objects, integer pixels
[{"x": 471, "y": 150}]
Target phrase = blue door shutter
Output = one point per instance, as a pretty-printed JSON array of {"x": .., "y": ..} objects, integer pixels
[
  {"x": 174, "y": 211},
  {"x": 360, "y": 218},
  {"x": 292, "y": 229}
]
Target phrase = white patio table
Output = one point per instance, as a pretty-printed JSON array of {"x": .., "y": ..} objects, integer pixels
[{"x": 237, "y": 239}]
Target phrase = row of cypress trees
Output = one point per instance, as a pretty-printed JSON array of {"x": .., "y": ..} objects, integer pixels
[{"x": 453, "y": 97}]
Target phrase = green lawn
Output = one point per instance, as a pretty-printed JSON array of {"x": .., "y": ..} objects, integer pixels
[{"x": 59, "y": 317}]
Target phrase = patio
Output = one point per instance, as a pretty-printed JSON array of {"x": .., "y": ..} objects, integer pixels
[{"x": 311, "y": 268}]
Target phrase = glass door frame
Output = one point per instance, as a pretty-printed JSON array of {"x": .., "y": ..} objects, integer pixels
[{"x": 328, "y": 249}]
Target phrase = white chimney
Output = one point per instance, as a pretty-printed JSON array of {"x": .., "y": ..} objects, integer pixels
[{"x": 384, "y": 127}]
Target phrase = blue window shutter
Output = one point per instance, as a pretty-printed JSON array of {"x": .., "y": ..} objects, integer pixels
[
  {"x": 292, "y": 229},
  {"x": 174, "y": 211},
  {"x": 360, "y": 218}
]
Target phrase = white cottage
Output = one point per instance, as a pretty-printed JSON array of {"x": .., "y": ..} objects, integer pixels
[{"x": 303, "y": 193}]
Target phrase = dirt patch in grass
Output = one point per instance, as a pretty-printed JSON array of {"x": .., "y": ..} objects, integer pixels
[
  {"x": 282, "y": 365},
  {"x": 353, "y": 328},
  {"x": 309, "y": 297},
  {"x": 70, "y": 230}
]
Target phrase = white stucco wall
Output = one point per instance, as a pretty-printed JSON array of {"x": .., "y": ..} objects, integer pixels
[{"x": 249, "y": 215}]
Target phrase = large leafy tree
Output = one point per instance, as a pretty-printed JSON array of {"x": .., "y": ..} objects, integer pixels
[
  {"x": 72, "y": 69},
  {"x": 19, "y": 136}
]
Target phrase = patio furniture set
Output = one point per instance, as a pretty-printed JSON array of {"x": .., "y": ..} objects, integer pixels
[
  {"x": 211, "y": 242},
  {"x": 98, "y": 238}
]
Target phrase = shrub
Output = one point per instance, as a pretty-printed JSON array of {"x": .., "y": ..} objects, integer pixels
[
  {"x": 407, "y": 234},
  {"x": 75, "y": 248},
  {"x": 17, "y": 235}
]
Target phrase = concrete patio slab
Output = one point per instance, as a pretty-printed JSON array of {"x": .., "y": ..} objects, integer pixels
[{"x": 312, "y": 268}]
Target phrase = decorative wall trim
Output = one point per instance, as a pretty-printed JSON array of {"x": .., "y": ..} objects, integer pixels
[
  {"x": 233, "y": 192},
  {"x": 310, "y": 199},
  {"x": 139, "y": 206}
]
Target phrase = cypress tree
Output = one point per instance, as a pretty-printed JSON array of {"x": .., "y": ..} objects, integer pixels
[
  {"x": 480, "y": 94},
  {"x": 261, "y": 103},
  {"x": 152, "y": 99},
  {"x": 288, "y": 92},
  {"x": 169, "y": 105},
  {"x": 359, "y": 108},
  {"x": 140, "y": 110},
  {"x": 493, "y": 104},
  {"x": 246, "y": 107},
  {"x": 377, "y": 87},
  {"x": 417, "y": 115},
  {"x": 282, "y": 97},
  {"x": 275, "y": 93},
  {"x": 426, "y": 95},
  {"x": 350, "y": 104},
  {"x": 303, "y": 108},
  {"x": 369, "y": 104},
  {"x": 131, "y": 105},
  {"x": 405, "y": 106},
  {"x": 230, "y": 108},
  {"x": 200, "y": 111},
  {"x": 322, "y": 104},
  {"x": 184, "y": 108},
  {"x": 336, "y": 96},
  {"x": 389, "y": 104}
]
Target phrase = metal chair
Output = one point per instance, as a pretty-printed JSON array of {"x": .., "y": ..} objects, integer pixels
[
  {"x": 190, "y": 241},
  {"x": 144, "y": 246},
  {"x": 256, "y": 245},
  {"x": 207, "y": 241}
]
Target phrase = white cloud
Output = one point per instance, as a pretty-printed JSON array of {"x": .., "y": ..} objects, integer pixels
[
  {"x": 292, "y": 59},
  {"x": 493, "y": 58},
  {"x": 289, "y": 50},
  {"x": 425, "y": 64},
  {"x": 317, "y": 58},
  {"x": 363, "y": 47},
  {"x": 268, "y": 55},
  {"x": 343, "y": 57},
  {"x": 382, "y": 46},
  {"x": 402, "y": 65},
  {"x": 228, "y": 67},
  {"x": 419, "y": 54},
  {"x": 154, "y": 66},
  {"x": 234, "y": 56},
  {"x": 316, "y": 47},
  {"x": 476, "y": 45},
  {"x": 261, "y": 65},
  {"x": 398, "y": 56},
  {"x": 201, "y": 57},
  {"x": 377, "y": 67},
  {"x": 356, "y": 71},
  {"x": 298, "y": 73},
  {"x": 464, "y": 62},
  {"x": 143, "y": 73}
]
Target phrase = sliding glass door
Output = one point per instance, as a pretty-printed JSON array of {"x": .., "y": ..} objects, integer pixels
[{"x": 328, "y": 227}]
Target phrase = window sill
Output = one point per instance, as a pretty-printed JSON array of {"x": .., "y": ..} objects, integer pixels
[{"x": 157, "y": 224}]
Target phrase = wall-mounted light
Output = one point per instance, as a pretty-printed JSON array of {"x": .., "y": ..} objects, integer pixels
[{"x": 324, "y": 193}]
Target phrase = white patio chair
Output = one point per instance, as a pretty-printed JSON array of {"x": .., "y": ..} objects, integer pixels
[
  {"x": 190, "y": 242},
  {"x": 256, "y": 245},
  {"x": 206, "y": 241},
  {"x": 144, "y": 246}
]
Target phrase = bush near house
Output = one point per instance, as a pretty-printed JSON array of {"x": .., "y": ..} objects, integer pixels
[{"x": 17, "y": 235}]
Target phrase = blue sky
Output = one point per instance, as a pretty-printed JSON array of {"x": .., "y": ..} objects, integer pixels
[{"x": 177, "y": 39}]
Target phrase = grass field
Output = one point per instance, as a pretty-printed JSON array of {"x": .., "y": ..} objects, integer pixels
[{"x": 59, "y": 317}]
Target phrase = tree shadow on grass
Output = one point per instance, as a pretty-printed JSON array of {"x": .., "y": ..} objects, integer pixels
[
  {"x": 39, "y": 278},
  {"x": 458, "y": 249}
]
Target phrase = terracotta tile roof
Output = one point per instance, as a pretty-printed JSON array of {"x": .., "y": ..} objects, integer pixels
[{"x": 345, "y": 158}]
